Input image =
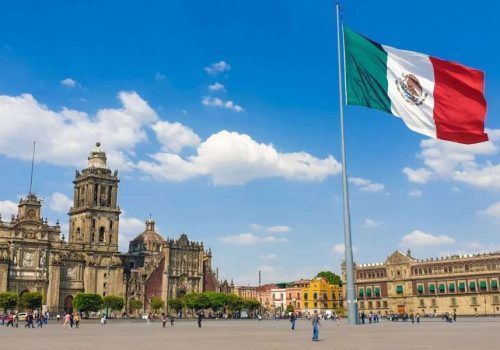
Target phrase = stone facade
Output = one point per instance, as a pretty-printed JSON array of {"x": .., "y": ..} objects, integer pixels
[
  {"x": 35, "y": 257},
  {"x": 167, "y": 268},
  {"x": 464, "y": 284}
]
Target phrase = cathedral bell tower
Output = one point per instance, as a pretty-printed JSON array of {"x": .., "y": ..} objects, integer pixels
[{"x": 94, "y": 216}]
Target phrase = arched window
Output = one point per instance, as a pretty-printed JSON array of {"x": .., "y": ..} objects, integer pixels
[
  {"x": 101, "y": 234},
  {"x": 78, "y": 232}
]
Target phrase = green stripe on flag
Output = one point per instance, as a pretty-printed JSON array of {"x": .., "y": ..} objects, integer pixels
[{"x": 366, "y": 72}]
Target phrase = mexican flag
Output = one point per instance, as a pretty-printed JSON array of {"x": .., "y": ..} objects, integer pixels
[{"x": 440, "y": 99}]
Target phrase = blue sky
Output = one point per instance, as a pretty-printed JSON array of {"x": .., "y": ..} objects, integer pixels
[{"x": 222, "y": 117}]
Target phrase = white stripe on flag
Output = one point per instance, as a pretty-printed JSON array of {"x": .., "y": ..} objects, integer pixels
[{"x": 418, "y": 118}]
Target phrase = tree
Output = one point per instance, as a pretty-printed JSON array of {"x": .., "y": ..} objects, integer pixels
[
  {"x": 289, "y": 309},
  {"x": 251, "y": 304},
  {"x": 330, "y": 277},
  {"x": 201, "y": 302},
  {"x": 8, "y": 300},
  {"x": 234, "y": 302},
  {"x": 31, "y": 300},
  {"x": 176, "y": 304},
  {"x": 135, "y": 304},
  {"x": 190, "y": 300},
  {"x": 113, "y": 302},
  {"x": 216, "y": 300},
  {"x": 157, "y": 303},
  {"x": 88, "y": 302}
]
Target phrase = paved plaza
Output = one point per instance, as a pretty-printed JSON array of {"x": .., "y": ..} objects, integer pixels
[{"x": 238, "y": 334}]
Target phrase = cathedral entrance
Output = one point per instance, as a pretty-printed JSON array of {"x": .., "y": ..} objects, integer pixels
[{"x": 68, "y": 304}]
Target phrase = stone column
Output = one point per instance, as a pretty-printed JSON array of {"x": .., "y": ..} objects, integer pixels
[{"x": 53, "y": 287}]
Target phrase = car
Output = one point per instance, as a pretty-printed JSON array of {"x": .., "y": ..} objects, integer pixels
[{"x": 21, "y": 315}]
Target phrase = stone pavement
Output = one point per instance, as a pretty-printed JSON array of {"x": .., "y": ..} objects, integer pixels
[{"x": 249, "y": 334}]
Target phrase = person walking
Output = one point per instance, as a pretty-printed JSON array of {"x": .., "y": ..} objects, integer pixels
[
  {"x": 67, "y": 318},
  {"x": 172, "y": 320},
  {"x": 164, "y": 319},
  {"x": 315, "y": 323},
  {"x": 29, "y": 321},
  {"x": 293, "y": 319},
  {"x": 10, "y": 320},
  {"x": 76, "y": 319},
  {"x": 200, "y": 317}
]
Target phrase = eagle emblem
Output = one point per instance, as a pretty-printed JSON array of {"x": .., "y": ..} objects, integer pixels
[{"x": 409, "y": 87}]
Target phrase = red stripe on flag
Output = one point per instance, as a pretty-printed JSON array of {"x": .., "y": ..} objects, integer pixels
[{"x": 459, "y": 103}]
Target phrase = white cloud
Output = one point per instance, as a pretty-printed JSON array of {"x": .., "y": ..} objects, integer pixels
[
  {"x": 65, "y": 137},
  {"x": 421, "y": 239},
  {"x": 270, "y": 256},
  {"x": 159, "y": 76},
  {"x": 216, "y": 87},
  {"x": 452, "y": 161},
  {"x": 278, "y": 229},
  {"x": 7, "y": 209},
  {"x": 217, "y": 102},
  {"x": 218, "y": 67},
  {"x": 69, "y": 83},
  {"x": 129, "y": 228},
  {"x": 369, "y": 223},
  {"x": 235, "y": 159},
  {"x": 415, "y": 193},
  {"x": 366, "y": 185},
  {"x": 339, "y": 248},
  {"x": 493, "y": 210},
  {"x": 175, "y": 136},
  {"x": 250, "y": 239},
  {"x": 60, "y": 202}
]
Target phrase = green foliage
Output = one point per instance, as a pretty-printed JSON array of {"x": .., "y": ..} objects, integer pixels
[
  {"x": 330, "y": 277},
  {"x": 31, "y": 300},
  {"x": 135, "y": 304},
  {"x": 176, "y": 304},
  {"x": 8, "y": 300},
  {"x": 216, "y": 300},
  {"x": 157, "y": 303},
  {"x": 251, "y": 304},
  {"x": 201, "y": 302},
  {"x": 88, "y": 302},
  {"x": 289, "y": 309},
  {"x": 234, "y": 302},
  {"x": 114, "y": 302},
  {"x": 190, "y": 300}
]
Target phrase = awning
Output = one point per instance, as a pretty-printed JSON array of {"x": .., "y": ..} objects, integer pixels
[
  {"x": 494, "y": 284},
  {"x": 399, "y": 289},
  {"x": 368, "y": 292},
  {"x": 377, "y": 292},
  {"x": 442, "y": 287},
  {"x": 461, "y": 286},
  {"x": 432, "y": 288},
  {"x": 451, "y": 287},
  {"x": 361, "y": 292},
  {"x": 420, "y": 288},
  {"x": 482, "y": 284},
  {"x": 472, "y": 285}
]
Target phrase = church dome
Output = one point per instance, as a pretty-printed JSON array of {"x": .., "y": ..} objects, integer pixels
[{"x": 149, "y": 240}]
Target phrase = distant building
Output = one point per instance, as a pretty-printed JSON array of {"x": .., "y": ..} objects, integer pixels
[
  {"x": 321, "y": 296},
  {"x": 463, "y": 284}
]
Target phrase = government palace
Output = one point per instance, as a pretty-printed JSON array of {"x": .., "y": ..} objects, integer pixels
[
  {"x": 35, "y": 257},
  {"x": 462, "y": 284}
]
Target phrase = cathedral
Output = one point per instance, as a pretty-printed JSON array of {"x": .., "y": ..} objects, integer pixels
[{"x": 35, "y": 257}]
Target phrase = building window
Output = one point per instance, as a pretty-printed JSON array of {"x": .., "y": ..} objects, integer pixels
[
  {"x": 361, "y": 292},
  {"x": 496, "y": 299},
  {"x": 494, "y": 284},
  {"x": 101, "y": 234},
  {"x": 110, "y": 225},
  {"x": 473, "y": 300},
  {"x": 93, "y": 223},
  {"x": 385, "y": 304},
  {"x": 315, "y": 296},
  {"x": 378, "y": 304},
  {"x": 325, "y": 296},
  {"x": 472, "y": 285},
  {"x": 370, "y": 305},
  {"x": 377, "y": 292},
  {"x": 333, "y": 296},
  {"x": 362, "y": 304},
  {"x": 433, "y": 302},
  {"x": 315, "y": 304},
  {"x": 420, "y": 289},
  {"x": 482, "y": 285},
  {"x": 305, "y": 296},
  {"x": 461, "y": 287},
  {"x": 453, "y": 301},
  {"x": 451, "y": 287},
  {"x": 442, "y": 288},
  {"x": 399, "y": 289},
  {"x": 422, "y": 303}
]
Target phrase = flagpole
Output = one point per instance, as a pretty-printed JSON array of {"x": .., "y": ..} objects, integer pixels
[
  {"x": 352, "y": 306},
  {"x": 32, "y": 166}
]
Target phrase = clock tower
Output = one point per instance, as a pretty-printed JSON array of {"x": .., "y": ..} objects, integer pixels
[{"x": 94, "y": 216}]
